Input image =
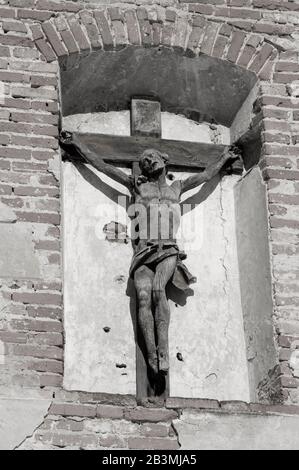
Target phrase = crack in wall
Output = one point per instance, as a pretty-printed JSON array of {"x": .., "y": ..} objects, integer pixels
[
  {"x": 29, "y": 436},
  {"x": 274, "y": 292},
  {"x": 176, "y": 432},
  {"x": 223, "y": 220},
  {"x": 223, "y": 258}
]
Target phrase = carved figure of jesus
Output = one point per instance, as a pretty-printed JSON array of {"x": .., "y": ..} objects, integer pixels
[{"x": 157, "y": 259}]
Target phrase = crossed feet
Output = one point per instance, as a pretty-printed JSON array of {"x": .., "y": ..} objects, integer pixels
[{"x": 159, "y": 362}]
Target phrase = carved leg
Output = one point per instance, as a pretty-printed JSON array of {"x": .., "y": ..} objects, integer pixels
[
  {"x": 164, "y": 271},
  {"x": 143, "y": 279}
]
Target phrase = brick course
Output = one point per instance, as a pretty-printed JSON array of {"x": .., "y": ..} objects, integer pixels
[{"x": 70, "y": 424}]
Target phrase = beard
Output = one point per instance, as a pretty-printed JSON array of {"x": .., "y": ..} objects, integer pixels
[{"x": 156, "y": 169}]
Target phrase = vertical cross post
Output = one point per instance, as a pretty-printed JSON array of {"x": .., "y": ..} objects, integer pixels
[
  {"x": 146, "y": 122},
  {"x": 145, "y": 118}
]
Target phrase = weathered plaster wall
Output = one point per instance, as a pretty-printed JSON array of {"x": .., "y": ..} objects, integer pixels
[
  {"x": 18, "y": 258},
  {"x": 255, "y": 281},
  {"x": 19, "y": 419},
  {"x": 207, "y": 330},
  {"x": 173, "y": 126},
  {"x": 218, "y": 431},
  {"x": 95, "y": 283}
]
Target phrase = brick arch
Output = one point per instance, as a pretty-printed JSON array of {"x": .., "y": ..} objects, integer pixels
[{"x": 113, "y": 28}]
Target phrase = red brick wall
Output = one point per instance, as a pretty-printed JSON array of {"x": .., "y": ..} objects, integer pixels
[{"x": 256, "y": 34}]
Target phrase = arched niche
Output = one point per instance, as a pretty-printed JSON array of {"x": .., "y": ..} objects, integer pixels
[
  {"x": 201, "y": 88},
  {"x": 220, "y": 360}
]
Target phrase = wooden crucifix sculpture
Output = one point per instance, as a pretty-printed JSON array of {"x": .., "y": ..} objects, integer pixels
[{"x": 157, "y": 260}]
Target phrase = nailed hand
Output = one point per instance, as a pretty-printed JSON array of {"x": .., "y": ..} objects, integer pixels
[{"x": 66, "y": 138}]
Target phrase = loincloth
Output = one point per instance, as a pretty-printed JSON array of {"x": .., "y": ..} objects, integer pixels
[{"x": 152, "y": 255}]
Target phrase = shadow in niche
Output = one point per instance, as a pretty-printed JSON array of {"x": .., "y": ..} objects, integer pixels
[
  {"x": 93, "y": 179},
  {"x": 204, "y": 192},
  {"x": 153, "y": 385}
]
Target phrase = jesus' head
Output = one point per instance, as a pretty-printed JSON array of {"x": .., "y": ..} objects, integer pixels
[{"x": 152, "y": 162}]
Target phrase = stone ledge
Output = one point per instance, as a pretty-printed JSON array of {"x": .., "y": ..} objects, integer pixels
[
  {"x": 135, "y": 414},
  {"x": 95, "y": 398},
  {"x": 150, "y": 414},
  {"x": 230, "y": 406},
  {"x": 171, "y": 410},
  {"x": 200, "y": 403}
]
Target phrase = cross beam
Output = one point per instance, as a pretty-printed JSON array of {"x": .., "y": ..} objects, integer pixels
[{"x": 126, "y": 150}]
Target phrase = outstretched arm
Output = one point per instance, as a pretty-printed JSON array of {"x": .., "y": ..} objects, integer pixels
[
  {"x": 209, "y": 172},
  {"x": 71, "y": 141}
]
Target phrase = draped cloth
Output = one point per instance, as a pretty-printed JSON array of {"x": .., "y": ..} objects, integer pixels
[{"x": 153, "y": 253}]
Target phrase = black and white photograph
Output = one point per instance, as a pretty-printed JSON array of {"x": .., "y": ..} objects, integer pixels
[{"x": 149, "y": 228}]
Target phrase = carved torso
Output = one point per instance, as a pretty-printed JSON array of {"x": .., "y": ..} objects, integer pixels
[{"x": 158, "y": 212}]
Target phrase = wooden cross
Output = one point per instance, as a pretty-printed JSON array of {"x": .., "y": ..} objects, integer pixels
[
  {"x": 125, "y": 151},
  {"x": 183, "y": 156}
]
